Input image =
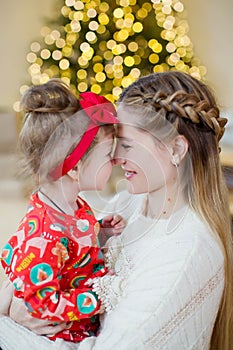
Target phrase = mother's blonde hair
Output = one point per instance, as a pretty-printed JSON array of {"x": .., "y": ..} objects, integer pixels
[{"x": 190, "y": 107}]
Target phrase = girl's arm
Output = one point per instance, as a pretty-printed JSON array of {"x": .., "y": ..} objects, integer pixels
[{"x": 38, "y": 282}]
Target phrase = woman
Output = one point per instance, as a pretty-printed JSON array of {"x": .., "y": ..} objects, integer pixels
[{"x": 172, "y": 287}]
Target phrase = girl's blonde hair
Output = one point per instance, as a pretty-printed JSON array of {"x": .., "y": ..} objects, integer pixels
[
  {"x": 191, "y": 110},
  {"x": 53, "y": 124}
]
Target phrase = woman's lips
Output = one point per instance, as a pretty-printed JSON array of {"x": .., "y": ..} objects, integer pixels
[{"x": 129, "y": 174}]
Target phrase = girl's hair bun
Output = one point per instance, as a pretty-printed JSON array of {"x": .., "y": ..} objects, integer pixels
[{"x": 52, "y": 97}]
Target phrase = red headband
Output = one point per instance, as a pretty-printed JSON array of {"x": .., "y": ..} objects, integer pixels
[{"x": 101, "y": 112}]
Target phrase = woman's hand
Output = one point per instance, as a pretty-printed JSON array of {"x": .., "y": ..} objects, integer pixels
[
  {"x": 19, "y": 314},
  {"x": 6, "y": 294}
]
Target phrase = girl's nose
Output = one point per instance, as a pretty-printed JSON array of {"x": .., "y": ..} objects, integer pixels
[
  {"x": 118, "y": 157},
  {"x": 117, "y": 161}
]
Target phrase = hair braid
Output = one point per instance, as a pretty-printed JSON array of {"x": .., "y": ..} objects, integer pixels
[{"x": 188, "y": 106}]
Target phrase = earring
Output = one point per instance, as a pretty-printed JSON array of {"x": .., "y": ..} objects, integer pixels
[{"x": 175, "y": 162}]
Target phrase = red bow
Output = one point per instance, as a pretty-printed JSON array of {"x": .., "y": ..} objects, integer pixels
[
  {"x": 100, "y": 111},
  {"x": 98, "y": 108}
]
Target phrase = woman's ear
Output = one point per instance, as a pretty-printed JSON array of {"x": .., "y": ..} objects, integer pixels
[
  {"x": 74, "y": 173},
  {"x": 179, "y": 149}
]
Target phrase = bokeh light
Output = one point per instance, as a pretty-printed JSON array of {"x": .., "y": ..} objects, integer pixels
[{"x": 104, "y": 46}]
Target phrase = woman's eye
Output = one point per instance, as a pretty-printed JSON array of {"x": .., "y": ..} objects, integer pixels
[{"x": 125, "y": 146}]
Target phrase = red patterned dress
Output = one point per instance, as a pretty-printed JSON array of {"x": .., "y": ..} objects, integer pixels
[{"x": 49, "y": 259}]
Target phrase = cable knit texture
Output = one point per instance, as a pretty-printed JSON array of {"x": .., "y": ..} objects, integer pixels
[{"x": 167, "y": 287}]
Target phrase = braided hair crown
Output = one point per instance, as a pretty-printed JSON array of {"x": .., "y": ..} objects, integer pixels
[{"x": 177, "y": 95}]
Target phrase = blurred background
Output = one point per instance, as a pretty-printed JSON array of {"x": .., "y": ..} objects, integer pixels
[{"x": 104, "y": 46}]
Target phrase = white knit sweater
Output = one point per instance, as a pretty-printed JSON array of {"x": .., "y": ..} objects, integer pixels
[{"x": 167, "y": 289}]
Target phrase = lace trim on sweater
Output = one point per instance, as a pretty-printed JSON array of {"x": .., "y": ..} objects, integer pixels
[
  {"x": 162, "y": 336},
  {"x": 109, "y": 289},
  {"x": 112, "y": 252}
]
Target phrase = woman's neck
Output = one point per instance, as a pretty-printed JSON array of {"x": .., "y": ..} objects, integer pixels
[
  {"x": 59, "y": 196},
  {"x": 162, "y": 204}
]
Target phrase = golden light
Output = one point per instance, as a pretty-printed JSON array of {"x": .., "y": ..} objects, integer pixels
[
  {"x": 60, "y": 43},
  {"x": 103, "y": 19},
  {"x": 70, "y": 2},
  {"x": 81, "y": 74},
  {"x": 85, "y": 47},
  {"x": 154, "y": 58},
  {"x": 79, "y": 5},
  {"x": 121, "y": 36},
  {"x": 31, "y": 57},
  {"x": 101, "y": 29},
  {"x": 35, "y": 47},
  {"x": 96, "y": 88},
  {"x": 82, "y": 87},
  {"x": 93, "y": 25},
  {"x": 108, "y": 55},
  {"x": 45, "y": 31},
  {"x": 135, "y": 72},
  {"x": 45, "y": 54},
  {"x": 137, "y": 27},
  {"x": 126, "y": 3},
  {"x": 116, "y": 91},
  {"x": 118, "y": 13},
  {"x": 133, "y": 46},
  {"x": 91, "y": 37},
  {"x": 142, "y": 13},
  {"x": 167, "y": 9},
  {"x": 100, "y": 77},
  {"x": 64, "y": 64},
  {"x": 170, "y": 47},
  {"x": 91, "y": 13},
  {"x": 49, "y": 40},
  {"x": 179, "y": 7},
  {"x": 78, "y": 16},
  {"x": 129, "y": 61},
  {"x": 98, "y": 67},
  {"x": 57, "y": 55},
  {"x": 111, "y": 44},
  {"x": 104, "y": 7},
  {"x": 116, "y": 42},
  {"x": 75, "y": 26},
  {"x": 118, "y": 60}
]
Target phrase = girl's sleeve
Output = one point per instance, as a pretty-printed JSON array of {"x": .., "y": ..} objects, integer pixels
[
  {"x": 37, "y": 278},
  {"x": 170, "y": 303}
]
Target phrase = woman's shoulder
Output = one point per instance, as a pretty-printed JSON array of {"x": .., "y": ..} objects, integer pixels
[{"x": 190, "y": 234}]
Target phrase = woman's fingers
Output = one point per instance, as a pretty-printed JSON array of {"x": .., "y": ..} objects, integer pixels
[
  {"x": 6, "y": 294},
  {"x": 19, "y": 314}
]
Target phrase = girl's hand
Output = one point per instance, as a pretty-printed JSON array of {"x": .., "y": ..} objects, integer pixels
[
  {"x": 111, "y": 225},
  {"x": 114, "y": 224},
  {"x": 19, "y": 314}
]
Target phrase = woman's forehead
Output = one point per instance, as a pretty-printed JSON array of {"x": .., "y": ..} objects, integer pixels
[{"x": 129, "y": 132}]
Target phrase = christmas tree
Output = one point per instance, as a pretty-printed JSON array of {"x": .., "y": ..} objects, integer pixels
[{"x": 104, "y": 46}]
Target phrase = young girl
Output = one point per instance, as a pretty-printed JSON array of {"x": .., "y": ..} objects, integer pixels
[{"x": 67, "y": 145}]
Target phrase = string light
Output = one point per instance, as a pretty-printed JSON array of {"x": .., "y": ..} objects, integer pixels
[{"x": 104, "y": 46}]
